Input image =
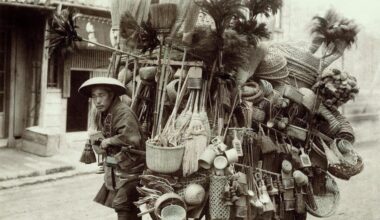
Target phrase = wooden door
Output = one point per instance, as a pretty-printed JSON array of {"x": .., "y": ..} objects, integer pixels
[
  {"x": 4, "y": 76},
  {"x": 77, "y": 105}
]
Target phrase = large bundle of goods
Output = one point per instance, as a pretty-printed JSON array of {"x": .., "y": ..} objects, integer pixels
[{"x": 239, "y": 128}]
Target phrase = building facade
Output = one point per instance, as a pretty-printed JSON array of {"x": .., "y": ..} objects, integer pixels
[{"x": 39, "y": 102}]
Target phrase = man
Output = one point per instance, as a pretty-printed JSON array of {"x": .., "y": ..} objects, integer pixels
[{"x": 120, "y": 127}]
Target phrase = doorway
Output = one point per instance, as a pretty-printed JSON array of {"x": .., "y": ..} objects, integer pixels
[
  {"x": 77, "y": 105},
  {"x": 5, "y": 45}
]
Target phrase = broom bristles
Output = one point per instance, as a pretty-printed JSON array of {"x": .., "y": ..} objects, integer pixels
[
  {"x": 88, "y": 155},
  {"x": 163, "y": 16},
  {"x": 189, "y": 164}
]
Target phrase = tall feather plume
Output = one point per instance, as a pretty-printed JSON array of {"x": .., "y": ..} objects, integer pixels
[
  {"x": 332, "y": 28},
  {"x": 222, "y": 12},
  {"x": 145, "y": 36},
  {"x": 63, "y": 36},
  {"x": 264, "y": 7},
  {"x": 253, "y": 30}
]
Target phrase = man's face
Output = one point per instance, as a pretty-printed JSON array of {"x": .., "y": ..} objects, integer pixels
[{"x": 102, "y": 98}]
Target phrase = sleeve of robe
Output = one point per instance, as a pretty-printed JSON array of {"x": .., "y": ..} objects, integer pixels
[{"x": 125, "y": 129}]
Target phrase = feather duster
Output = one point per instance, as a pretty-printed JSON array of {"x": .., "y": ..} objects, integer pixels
[
  {"x": 63, "y": 35},
  {"x": 265, "y": 7},
  {"x": 222, "y": 12},
  {"x": 205, "y": 46},
  {"x": 253, "y": 30},
  {"x": 333, "y": 28},
  {"x": 144, "y": 36}
]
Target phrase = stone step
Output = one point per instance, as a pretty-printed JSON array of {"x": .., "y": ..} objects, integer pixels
[{"x": 40, "y": 141}]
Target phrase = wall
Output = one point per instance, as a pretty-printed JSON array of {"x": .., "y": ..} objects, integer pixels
[
  {"x": 55, "y": 116},
  {"x": 25, "y": 27}
]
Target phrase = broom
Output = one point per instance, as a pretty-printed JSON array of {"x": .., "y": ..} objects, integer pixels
[
  {"x": 203, "y": 112},
  {"x": 184, "y": 118},
  {"x": 88, "y": 155},
  {"x": 195, "y": 143},
  {"x": 170, "y": 127},
  {"x": 162, "y": 18}
]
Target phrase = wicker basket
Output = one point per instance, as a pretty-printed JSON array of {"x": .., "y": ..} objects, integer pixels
[
  {"x": 273, "y": 66},
  {"x": 196, "y": 179},
  {"x": 163, "y": 159},
  {"x": 326, "y": 195},
  {"x": 218, "y": 209},
  {"x": 258, "y": 114},
  {"x": 302, "y": 65}
]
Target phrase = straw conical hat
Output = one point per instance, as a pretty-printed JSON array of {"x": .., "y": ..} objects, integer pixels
[{"x": 115, "y": 85}]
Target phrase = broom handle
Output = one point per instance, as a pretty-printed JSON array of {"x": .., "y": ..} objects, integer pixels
[
  {"x": 110, "y": 48},
  {"x": 163, "y": 94},
  {"x": 180, "y": 95},
  {"x": 180, "y": 83},
  {"x": 135, "y": 66},
  {"x": 158, "y": 91},
  {"x": 230, "y": 116},
  {"x": 204, "y": 96},
  {"x": 196, "y": 101}
]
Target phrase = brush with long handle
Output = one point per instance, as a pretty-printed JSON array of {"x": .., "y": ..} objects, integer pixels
[
  {"x": 190, "y": 157},
  {"x": 162, "y": 18},
  {"x": 203, "y": 112}
]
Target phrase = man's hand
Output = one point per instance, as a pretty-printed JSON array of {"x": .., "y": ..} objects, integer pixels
[{"x": 105, "y": 143}]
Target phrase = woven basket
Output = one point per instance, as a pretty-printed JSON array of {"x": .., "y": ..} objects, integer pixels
[
  {"x": 197, "y": 179},
  {"x": 218, "y": 209},
  {"x": 163, "y": 159},
  {"x": 327, "y": 200},
  {"x": 258, "y": 114},
  {"x": 333, "y": 123},
  {"x": 350, "y": 164},
  {"x": 273, "y": 67},
  {"x": 302, "y": 65}
]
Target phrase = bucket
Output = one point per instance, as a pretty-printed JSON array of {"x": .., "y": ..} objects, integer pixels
[
  {"x": 220, "y": 162},
  {"x": 163, "y": 159},
  {"x": 232, "y": 155},
  {"x": 207, "y": 158},
  {"x": 173, "y": 212}
]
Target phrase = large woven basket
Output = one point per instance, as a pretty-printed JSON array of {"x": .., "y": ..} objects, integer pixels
[
  {"x": 326, "y": 195},
  {"x": 163, "y": 159},
  {"x": 201, "y": 179},
  {"x": 273, "y": 66},
  {"x": 302, "y": 65},
  {"x": 218, "y": 209}
]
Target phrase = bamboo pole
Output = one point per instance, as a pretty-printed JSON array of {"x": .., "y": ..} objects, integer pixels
[{"x": 110, "y": 48}]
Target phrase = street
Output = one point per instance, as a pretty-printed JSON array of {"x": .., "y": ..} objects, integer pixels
[
  {"x": 72, "y": 198},
  {"x": 63, "y": 199}
]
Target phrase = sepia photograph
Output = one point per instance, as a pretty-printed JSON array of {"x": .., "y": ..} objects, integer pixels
[{"x": 189, "y": 109}]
